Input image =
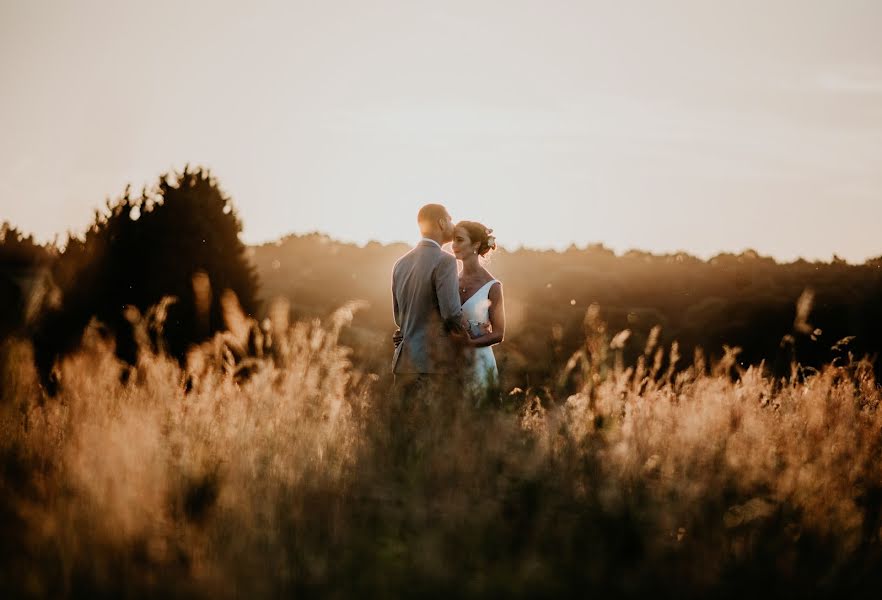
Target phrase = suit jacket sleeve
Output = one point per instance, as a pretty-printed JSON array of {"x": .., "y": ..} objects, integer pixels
[
  {"x": 395, "y": 313},
  {"x": 446, "y": 282}
]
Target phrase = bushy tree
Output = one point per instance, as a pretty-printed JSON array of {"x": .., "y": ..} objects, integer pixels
[{"x": 140, "y": 250}]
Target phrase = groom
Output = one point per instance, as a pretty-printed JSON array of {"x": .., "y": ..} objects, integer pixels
[{"x": 427, "y": 309}]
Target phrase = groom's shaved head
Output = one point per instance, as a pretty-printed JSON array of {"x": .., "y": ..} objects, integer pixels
[
  {"x": 431, "y": 213},
  {"x": 435, "y": 223}
]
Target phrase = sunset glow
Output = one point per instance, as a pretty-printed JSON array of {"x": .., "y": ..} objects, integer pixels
[{"x": 690, "y": 127}]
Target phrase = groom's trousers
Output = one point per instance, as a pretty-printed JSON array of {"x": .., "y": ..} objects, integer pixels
[{"x": 427, "y": 388}]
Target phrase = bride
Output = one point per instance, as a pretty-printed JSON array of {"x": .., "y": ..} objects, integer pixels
[{"x": 483, "y": 311}]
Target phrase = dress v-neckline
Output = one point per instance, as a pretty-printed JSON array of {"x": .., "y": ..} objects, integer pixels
[{"x": 476, "y": 292}]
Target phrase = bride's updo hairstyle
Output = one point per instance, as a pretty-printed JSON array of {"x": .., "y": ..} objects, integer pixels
[{"x": 479, "y": 233}]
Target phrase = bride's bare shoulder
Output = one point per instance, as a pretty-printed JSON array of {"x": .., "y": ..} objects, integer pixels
[
  {"x": 488, "y": 276},
  {"x": 495, "y": 287}
]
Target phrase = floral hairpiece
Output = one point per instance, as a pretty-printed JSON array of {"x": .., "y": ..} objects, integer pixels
[{"x": 491, "y": 240}]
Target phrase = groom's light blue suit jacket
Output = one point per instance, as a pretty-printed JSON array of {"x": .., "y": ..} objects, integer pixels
[{"x": 427, "y": 309}]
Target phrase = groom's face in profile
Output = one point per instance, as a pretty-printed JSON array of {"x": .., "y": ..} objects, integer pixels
[{"x": 447, "y": 227}]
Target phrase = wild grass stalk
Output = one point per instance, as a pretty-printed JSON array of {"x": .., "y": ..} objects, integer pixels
[{"x": 305, "y": 478}]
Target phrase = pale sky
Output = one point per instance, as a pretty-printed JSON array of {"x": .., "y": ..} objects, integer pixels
[{"x": 702, "y": 126}]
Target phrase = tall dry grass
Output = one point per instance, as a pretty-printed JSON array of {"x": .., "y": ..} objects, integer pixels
[{"x": 310, "y": 478}]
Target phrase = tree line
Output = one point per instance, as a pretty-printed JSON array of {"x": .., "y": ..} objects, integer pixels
[
  {"x": 179, "y": 239},
  {"x": 762, "y": 311}
]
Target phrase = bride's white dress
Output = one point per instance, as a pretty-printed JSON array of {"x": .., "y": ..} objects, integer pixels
[{"x": 480, "y": 372}]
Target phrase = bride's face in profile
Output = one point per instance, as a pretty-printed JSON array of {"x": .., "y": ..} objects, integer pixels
[{"x": 462, "y": 244}]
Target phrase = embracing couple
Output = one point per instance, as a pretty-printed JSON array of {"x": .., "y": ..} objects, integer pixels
[{"x": 447, "y": 317}]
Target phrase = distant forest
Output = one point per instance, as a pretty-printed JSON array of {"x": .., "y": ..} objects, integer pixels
[
  {"x": 181, "y": 238},
  {"x": 746, "y": 301}
]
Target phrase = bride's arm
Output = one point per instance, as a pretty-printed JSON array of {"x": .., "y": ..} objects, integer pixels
[{"x": 497, "y": 320}]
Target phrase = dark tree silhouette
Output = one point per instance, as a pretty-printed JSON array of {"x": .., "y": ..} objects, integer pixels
[
  {"x": 23, "y": 266},
  {"x": 141, "y": 250}
]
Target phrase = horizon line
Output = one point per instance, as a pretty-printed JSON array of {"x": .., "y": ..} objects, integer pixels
[{"x": 834, "y": 259}]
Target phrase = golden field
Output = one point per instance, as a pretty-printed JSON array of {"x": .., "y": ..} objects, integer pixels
[{"x": 306, "y": 476}]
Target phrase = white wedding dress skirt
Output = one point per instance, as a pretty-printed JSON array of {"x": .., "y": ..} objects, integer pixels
[{"x": 480, "y": 372}]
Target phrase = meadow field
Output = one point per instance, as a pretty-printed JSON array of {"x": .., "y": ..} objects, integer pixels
[
  {"x": 303, "y": 475},
  {"x": 680, "y": 202},
  {"x": 182, "y": 415}
]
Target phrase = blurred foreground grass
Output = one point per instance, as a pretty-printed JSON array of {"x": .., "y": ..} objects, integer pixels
[{"x": 307, "y": 478}]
